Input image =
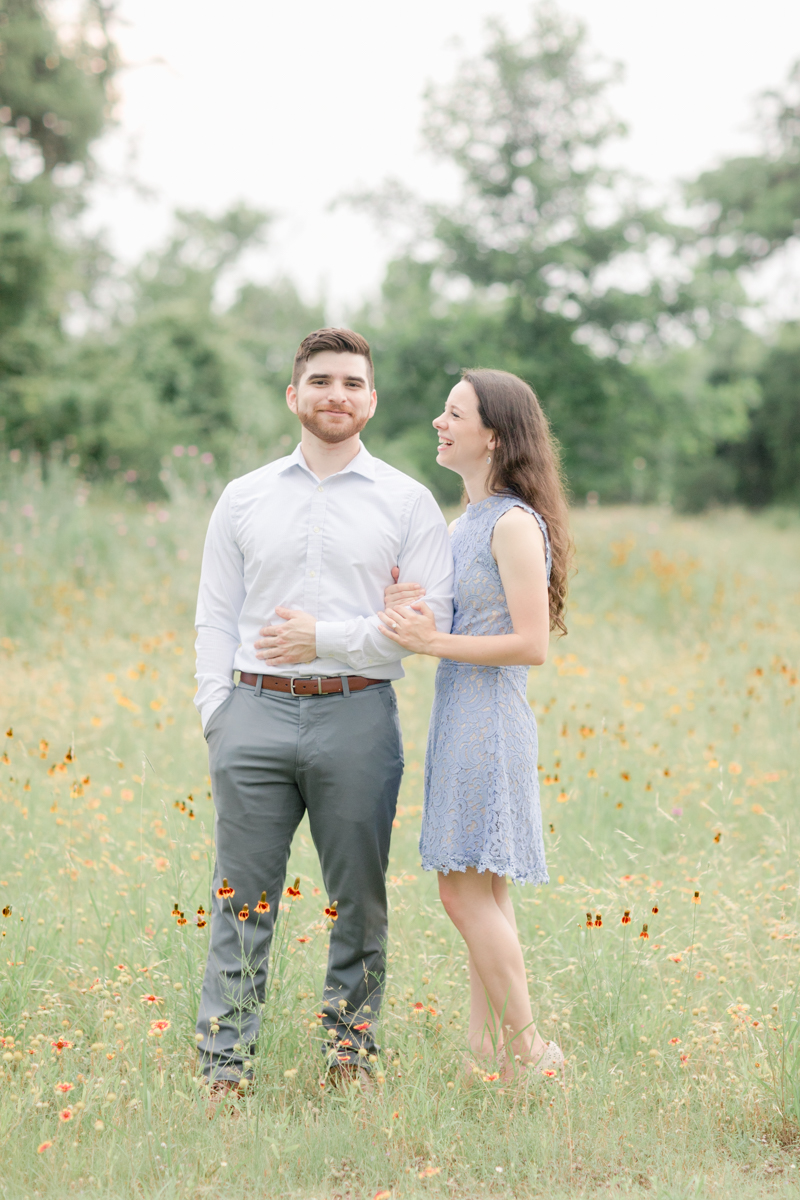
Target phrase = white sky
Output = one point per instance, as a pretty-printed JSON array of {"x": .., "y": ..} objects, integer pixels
[{"x": 289, "y": 104}]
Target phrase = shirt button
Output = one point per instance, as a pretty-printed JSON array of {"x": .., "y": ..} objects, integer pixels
[
  {"x": 316, "y": 529},
  {"x": 311, "y": 573},
  {"x": 320, "y": 488}
]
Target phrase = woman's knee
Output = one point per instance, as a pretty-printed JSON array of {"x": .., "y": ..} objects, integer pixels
[{"x": 458, "y": 896}]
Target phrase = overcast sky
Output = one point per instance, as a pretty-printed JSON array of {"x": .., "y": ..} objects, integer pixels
[{"x": 289, "y": 104}]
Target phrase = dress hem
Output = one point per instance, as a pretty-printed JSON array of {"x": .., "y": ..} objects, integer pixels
[{"x": 538, "y": 877}]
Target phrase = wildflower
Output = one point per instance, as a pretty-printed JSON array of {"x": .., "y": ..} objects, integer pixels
[
  {"x": 418, "y": 1007},
  {"x": 263, "y": 904},
  {"x": 654, "y": 909},
  {"x": 426, "y": 1174},
  {"x": 677, "y": 811},
  {"x": 200, "y": 919},
  {"x": 66, "y": 1114},
  {"x": 181, "y": 919},
  {"x": 696, "y": 898},
  {"x": 734, "y": 768},
  {"x": 589, "y": 921},
  {"x": 226, "y": 891},
  {"x": 598, "y": 921},
  {"x": 491, "y": 1078},
  {"x": 304, "y": 938},
  {"x": 9, "y": 733},
  {"x": 294, "y": 890},
  {"x": 151, "y": 999},
  {"x": 717, "y": 836},
  {"x": 244, "y": 913},
  {"x": 626, "y": 917},
  {"x": 549, "y": 1073},
  {"x": 330, "y": 911},
  {"x": 61, "y": 1044},
  {"x": 382, "y": 1194},
  {"x": 684, "y": 1059},
  {"x": 552, "y": 828},
  {"x": 157, "y": 1028},
  {"x": 7, "y": 911},
  {"x": 625, "y": 878},
  {"x": 64, "y": 1087},
  {"x": 676, "y": 958},
  {"x": 674, "y": 1041},
  {"x": 644, "y": 934},
  {"x": 625, "y": 775},
  {"x": 176, "y": 912},
  {"x": 360, "y": 1028}
]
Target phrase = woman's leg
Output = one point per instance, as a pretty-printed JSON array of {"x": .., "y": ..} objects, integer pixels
[{"x": 481, "y": 910}]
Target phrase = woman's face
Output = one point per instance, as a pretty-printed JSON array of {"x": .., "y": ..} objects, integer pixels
[{"x": 464, "y": 441}]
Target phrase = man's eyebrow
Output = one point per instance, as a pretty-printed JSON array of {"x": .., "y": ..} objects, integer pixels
[{"x": 320, "y": 375}]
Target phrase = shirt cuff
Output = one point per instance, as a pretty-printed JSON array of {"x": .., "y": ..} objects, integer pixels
[{"x": 331, "y": 637}]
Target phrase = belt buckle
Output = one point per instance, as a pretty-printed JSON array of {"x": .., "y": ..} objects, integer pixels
[{"x": 300, "y": 695}]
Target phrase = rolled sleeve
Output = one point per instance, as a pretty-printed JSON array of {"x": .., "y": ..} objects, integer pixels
[{"x": 219, "y": 603}]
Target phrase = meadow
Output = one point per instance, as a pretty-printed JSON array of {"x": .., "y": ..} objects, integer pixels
[{"x": 664, "y": 955}]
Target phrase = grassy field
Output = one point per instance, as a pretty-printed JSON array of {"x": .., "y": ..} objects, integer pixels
[{"x": 668, "y": 730}]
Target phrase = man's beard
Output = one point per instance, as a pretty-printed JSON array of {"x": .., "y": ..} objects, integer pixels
[{"x": 330, "y": 434}]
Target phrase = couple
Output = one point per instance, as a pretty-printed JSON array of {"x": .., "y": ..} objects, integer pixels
[{"x": 295, "y": 594}]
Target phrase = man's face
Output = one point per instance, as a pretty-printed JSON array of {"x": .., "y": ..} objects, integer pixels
[{"x": 333, "y": 399}]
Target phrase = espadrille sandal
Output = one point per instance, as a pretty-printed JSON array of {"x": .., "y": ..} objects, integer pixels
[{"x": 550, "y": 1062}]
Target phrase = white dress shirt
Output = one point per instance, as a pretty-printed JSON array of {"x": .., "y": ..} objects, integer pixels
[{"x": 282, "y": 537}]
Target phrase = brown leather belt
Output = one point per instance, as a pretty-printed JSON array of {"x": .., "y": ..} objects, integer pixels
[{"x": 317, "y": 685}]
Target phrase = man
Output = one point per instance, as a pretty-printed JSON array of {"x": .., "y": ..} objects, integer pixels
[{"x": 297, "y": 557}]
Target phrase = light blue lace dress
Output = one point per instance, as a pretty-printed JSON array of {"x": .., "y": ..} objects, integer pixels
[{"x": 481, "y": 784}]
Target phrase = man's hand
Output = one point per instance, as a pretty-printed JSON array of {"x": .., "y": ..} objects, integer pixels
[{"x": 293, "y": 642}]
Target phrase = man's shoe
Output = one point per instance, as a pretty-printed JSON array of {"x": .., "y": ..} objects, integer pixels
[
  {"x": 351, "y": 1075},
  {"x": 223, "y": 1094}
]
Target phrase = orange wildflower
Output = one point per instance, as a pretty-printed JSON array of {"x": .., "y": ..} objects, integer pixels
[
  {"x": 589, "y": 921},
  {"x": 626, "y": 917},
  {"x": 294, "y": 890},
  {"x": 7, "y": 910},
  {"x": 226, "y": 891},
  {"x": 674, "y": 1041},
  {"x": 244, "y": 913},
  {"x": 181, "y": 919},
  {"x": 176, "y": 912},
  {"x": 644, "y": 934},
  {"x": 418, "y": 1007},
  {"x": 654, "y": 909},
  {"x": 66, "y": 1114},
  {"x": 64, "y": 1087},
  {"x": 491, "y": 1078},
  {"x": 263, "y": 904},
  {"x": 304, "y": 938},
  {"x": 157, "y": 1028},
  {"x": 598, "y": 921},
  {"x": 200, "y": 919},
  {"x": 43, "y": 1146},
  {"x": 330, "y": 911},
  {"x": 696, "y": 898},
  {"x": 360, "y": 1028},
  {"x": 61, "y": 1044},
  {"x": 151, "y": 999}
]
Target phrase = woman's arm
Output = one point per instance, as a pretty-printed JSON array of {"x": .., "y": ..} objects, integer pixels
[{"x": 518, "y": 549}]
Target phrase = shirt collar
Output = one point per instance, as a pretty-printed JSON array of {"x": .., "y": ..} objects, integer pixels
[{"x": 363, "y": 464}]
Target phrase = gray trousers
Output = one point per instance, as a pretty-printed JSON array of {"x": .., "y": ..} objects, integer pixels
[{"x": 273, "y": 757}]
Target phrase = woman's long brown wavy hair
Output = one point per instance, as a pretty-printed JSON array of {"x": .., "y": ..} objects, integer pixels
[{"x": 526, "y": 462}]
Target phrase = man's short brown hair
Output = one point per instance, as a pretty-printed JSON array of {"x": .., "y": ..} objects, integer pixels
[{"x": 340, "y": 341}]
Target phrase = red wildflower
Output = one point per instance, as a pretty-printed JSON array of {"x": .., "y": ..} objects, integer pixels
[
  {"x": 696, "y": 898},
  {"x": 674, "y": 1041},
  {"x": 491, "y": 1078},
  {"x": 294, "y": 890},
  {"x": 654, "y": 909},
  {"x": 331, "y": 912},
  {"x": 263, "y": 904},
  {"x": 43, "y": 1146},
  {"x": 151, "y": 999},
  {"x": 157, "y": 1028},
  {"x": 589, "y": 921},
  {"x": 598, "y": 921},
  {"x": 244, "y": 913},
  {"x": 304, "y": 938},
  {"x": 644, "y": 934},
  {"x": 66, "y": 1114},
  {"x": 61, "y": 1044},
  {"x": 626, "y": 917},
  {"x": 64, "y": 1087},
  {"x": 360, "y": 1028},
  {"x": 418, "y": 1007},
  {"x": 176, "y": 912},
  {"x": 226, "y": 891}
]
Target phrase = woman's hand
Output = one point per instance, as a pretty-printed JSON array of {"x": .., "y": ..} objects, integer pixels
[
  {"x": 397, "y": 594},
  {"x": 412, "y": 627}
]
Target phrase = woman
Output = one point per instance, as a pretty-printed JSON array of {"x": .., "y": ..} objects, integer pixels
[{"x": 481, "y": 820}]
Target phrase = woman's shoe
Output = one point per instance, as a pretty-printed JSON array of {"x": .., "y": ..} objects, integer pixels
[{"x": 550, "y": 1062}]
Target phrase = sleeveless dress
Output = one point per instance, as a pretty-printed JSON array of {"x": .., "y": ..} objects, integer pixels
[{"x": 481, "y": 804}]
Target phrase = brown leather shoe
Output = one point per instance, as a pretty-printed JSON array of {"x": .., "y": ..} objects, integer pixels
[
  {"x": 351, "y": 1075},
  {"x": 223, "y": 1094}
]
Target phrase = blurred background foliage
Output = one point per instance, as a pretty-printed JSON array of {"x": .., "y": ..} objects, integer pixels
[{"x": 633, "y": 325}]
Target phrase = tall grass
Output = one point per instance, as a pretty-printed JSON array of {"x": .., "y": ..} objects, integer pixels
[{"x": 668, "y": 739}]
